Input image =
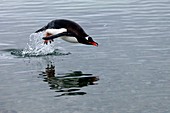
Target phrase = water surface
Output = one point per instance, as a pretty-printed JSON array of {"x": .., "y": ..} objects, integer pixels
[{"x": 127, "y": 73}]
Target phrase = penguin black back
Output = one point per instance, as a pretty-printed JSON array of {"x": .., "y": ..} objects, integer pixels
[{"x": 68, "y": 24}]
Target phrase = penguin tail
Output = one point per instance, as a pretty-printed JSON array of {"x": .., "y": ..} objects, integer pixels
[{"x": 42, "y": 29}]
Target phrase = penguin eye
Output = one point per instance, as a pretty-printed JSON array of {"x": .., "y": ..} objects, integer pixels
[{"x": 87, "y": 38}]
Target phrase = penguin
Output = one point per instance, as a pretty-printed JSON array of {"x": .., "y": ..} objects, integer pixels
[{"x": 67, "y": 30}]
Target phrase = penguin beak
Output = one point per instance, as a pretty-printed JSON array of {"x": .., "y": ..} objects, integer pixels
[{"x": 93, "y": 43}]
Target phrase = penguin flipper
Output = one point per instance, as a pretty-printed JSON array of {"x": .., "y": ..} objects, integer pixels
[{"x": 58, "y": 35}]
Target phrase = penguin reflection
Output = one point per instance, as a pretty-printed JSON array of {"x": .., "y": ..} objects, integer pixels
[{"x": 68, "y": 83}]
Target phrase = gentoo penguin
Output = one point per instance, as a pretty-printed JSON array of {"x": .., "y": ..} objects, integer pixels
[{"x": 66, "y": 30}]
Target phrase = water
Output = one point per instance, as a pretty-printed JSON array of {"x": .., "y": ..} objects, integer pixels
[{"x": 127, "y": 73}]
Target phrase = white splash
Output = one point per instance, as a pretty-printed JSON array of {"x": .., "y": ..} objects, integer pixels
[{"x": 36, "y": 46}]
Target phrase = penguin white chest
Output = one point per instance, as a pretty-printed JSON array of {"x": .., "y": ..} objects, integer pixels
[
  {"x": 56, "y": 31},
  {"x": 69, "y": 39},
  {"x": 61, "y": 30}
]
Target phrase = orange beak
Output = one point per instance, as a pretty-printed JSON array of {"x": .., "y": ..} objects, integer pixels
[{"x": 94, "y": 43}]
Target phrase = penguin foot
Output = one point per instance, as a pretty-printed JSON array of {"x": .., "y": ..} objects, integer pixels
[
  {"x": 46, "y": 41},
  {"x": 50, "y": 40}
]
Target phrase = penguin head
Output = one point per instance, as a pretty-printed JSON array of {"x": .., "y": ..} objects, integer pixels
[{"x": 88, "y": 41}]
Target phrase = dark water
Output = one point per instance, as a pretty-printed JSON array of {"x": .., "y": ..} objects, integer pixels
[{"x": 128, "y": 73}]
